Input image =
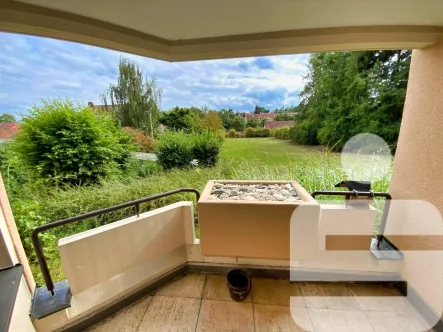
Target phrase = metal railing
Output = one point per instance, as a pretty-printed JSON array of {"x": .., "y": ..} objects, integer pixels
[
  {"x": 38, "y": 246},
  {"x": 355, "y": 193}
]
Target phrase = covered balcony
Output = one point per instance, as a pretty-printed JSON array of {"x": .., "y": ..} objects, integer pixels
[{"x": 313, "y": 266}]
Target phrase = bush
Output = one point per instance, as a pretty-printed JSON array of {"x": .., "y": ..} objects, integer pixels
[
  {"x": 68, "y": 143},
  {"x": 179, "y": 149},
  {"x": 258, "y": 132},
  {"x": 174, "y": 150},
  {"x": 282, "y": 133},
  {"x": 206, "y": 149},
  {"x": 140, "y": 140},
  {"x": 304, "y": 132},
  {"x": 231, "y": 133},
  {"x": 239, "y": 135}
]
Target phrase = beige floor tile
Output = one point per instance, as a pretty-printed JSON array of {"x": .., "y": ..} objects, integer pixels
[
  {"x": 225, "y": 316},
  {"x": 377, "y": 297},
  {"x": 328, "y": 296},
  {"x": 126, "y": 320},
  {"x": 217, "y": 289},
  {"x": 391, "y": 321},
  {"x": 277, "y": 318},
  {"x": 190, "y": 285},
  {"x": 171, "y": 314},
  {"x": 327, "y": 320},
  {"x": 276, "y": 291}
]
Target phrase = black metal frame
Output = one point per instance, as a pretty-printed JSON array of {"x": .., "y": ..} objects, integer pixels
[
  {"x": 355, "y": 193},
  {"x": 38, "y": 246}
]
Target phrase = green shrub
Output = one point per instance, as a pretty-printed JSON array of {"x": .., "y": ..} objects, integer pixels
[
  {"x": 282, "y": 133},
  {"x": 258, "y": 132},
  {"x": 231, "y": 133},
  {"x": 68, "y": 143},
  {"x": 27, "y": 217},
  {"x": 206, "y": 148},
  {"x": 179, "y": 149},
  {"x": 175, "y": 150},
  {"x": 304, "y": 132}
]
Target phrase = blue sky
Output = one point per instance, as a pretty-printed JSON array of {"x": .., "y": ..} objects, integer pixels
[{"x": 32, "y": 68}]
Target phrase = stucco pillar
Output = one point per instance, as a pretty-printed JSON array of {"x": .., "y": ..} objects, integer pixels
[
  {"x": 418, "y": 171},
  {"x": 418, "y": 166}
]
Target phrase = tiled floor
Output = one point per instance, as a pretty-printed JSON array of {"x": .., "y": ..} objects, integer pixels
[{"x": 201, "y": 303}]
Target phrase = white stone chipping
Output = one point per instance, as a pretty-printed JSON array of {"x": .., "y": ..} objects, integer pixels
[{"x": 254, "y": 192}]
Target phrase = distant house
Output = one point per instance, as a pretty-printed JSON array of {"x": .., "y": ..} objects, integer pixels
[
  {"x": 248, "y": 116},
  {"x": 8, "y": 130},
  {"x": 278, "y": 124}
]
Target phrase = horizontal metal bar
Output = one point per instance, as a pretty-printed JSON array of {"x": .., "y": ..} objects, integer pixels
[
  {"x": 354, "y": 193},
  {"x": 37, "y": 244}
]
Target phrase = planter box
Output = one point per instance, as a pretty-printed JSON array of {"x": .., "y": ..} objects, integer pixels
[{"x": 241, "y": 228}]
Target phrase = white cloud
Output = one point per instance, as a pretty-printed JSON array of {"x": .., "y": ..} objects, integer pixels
[{"x": 32, "y": 68}]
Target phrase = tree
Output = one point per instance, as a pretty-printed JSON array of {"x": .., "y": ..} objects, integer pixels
[
  {"x": 181, "y": 118},
  {"x": 212, "y": 121},
  {"x": 255, "y": 123},
  {"x": 260, "y": 109},
  {"x": 238, "y": 123},
  {"x": 68, "y": 143},
  {"x": 227, "y": 116},
  {"x": 135, "y": 98},
  {"x": 347, "y": 93},
  {"x": 6, "y": 117}
]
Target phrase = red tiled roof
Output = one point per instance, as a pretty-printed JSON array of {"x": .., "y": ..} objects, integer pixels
[
  {"x": 9, "y": 129},
  {"x": 278, "y": 124}
]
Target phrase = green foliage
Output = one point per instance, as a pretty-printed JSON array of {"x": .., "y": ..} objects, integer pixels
[
  {"x": 67, "y": 143},
  {"x": 258, "y": 132},
  {"x": 212, "y": 121},
  {"x": 260, "y": 109},
  {"x": 232, "y": 120},
  {"x": 304, "y": 133},
  {"x": 206, "y": 148},
  {"x": 141, "y": 168},
  {"x": 282, "y": 133},
  {"x": 238, "y": 123},
  {"x": 181, "y": 118},
  {"x": 348, "y": 93},
  {"x": 179, "y": 149},
  {"x": 175, "y": 150},
  {"x": 255, "y": 123},
  {"x": 135, "y": 99},
  {"x": 6, "y": 117},
  {"x": 285, "y": 117},
  {"x": 15, "y": 173},
  {"x": 231, "y": 133},
  {"x": 27, "y": 217}
]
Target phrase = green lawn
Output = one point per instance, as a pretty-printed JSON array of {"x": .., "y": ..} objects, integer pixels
[{"x": 273, "y": 152}]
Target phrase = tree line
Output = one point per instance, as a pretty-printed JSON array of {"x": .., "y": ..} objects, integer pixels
[{"x": 347, "y": 93}]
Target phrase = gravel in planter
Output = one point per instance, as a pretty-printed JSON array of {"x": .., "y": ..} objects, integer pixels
[{"x": 254, "y": 192}]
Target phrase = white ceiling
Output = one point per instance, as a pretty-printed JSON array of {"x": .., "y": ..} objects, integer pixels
[{"x": 188, "y": 19}]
